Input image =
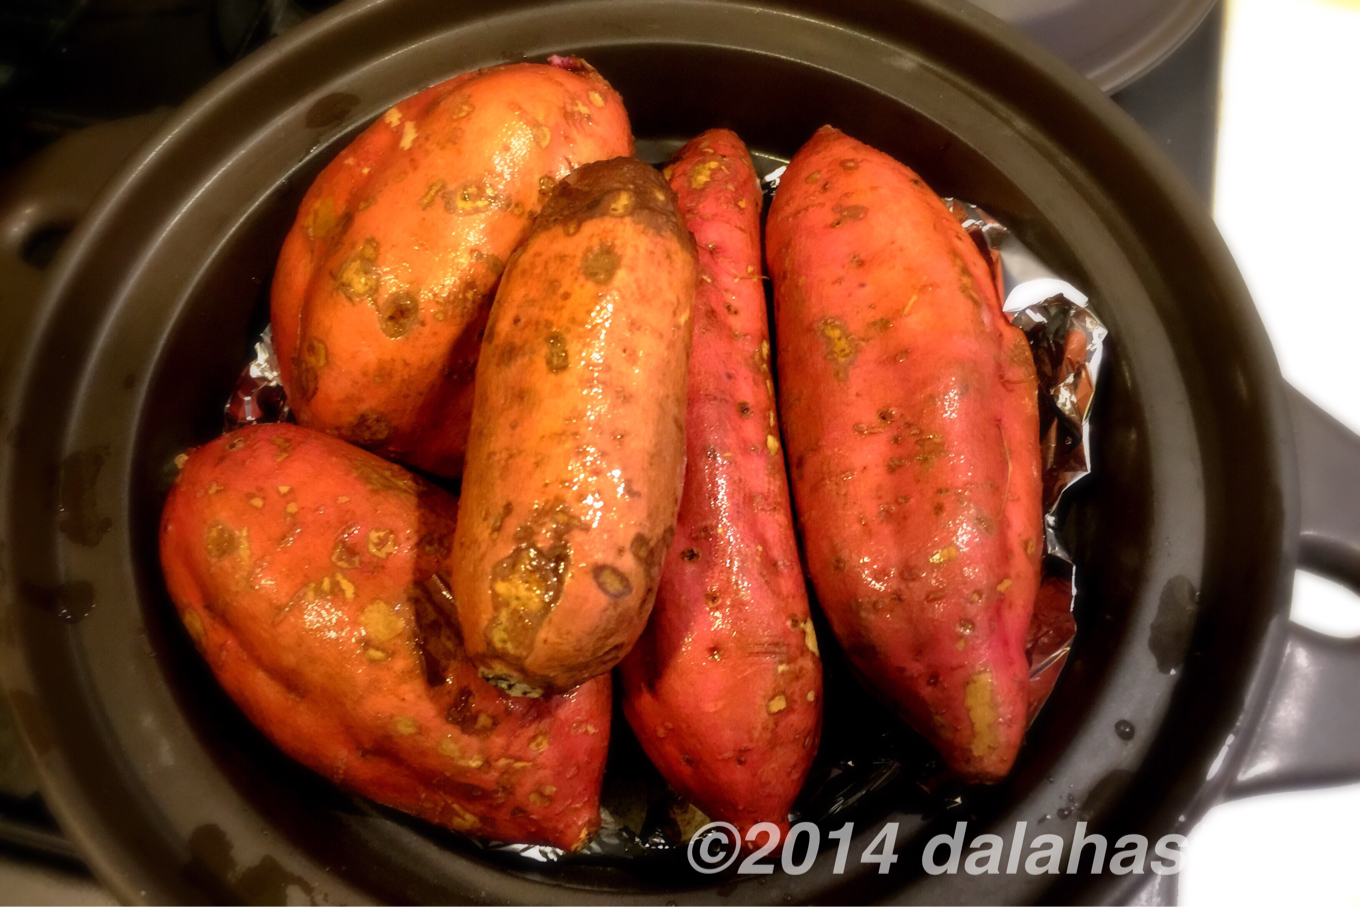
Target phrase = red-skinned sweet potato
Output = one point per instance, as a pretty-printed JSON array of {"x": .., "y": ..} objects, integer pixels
[
  {"x": 910, "y": 411},
  {"x": 384, "y": 282},
  {"x": 311, "y": 576},
  {"x": 576, "y": 455},
  {"x": 724, "y": 688}
]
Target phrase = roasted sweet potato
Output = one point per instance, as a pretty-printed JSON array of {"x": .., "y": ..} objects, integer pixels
[
  {"x": 724, "y": 688},
  {"x": 576, "y": 455},
  {"x": 384, "y": 282},
  {"x": 311, "y": 576},
  {"x": 910, "y": 410}
]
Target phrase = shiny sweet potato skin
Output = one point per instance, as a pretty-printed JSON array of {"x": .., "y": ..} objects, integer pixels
[
  {"x": 310, "y": 575},
  {"x": 576, "y": 455},
  {"x": 384, "y": 282},
  {"x": 724, "y": 688},
  {"x": 910, "y": 410}
]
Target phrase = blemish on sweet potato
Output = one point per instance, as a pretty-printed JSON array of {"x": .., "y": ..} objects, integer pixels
[
  {"x": 368, "y": 428},
  {"x": 221, "y": 541},
  {"x": 600, "y": 263},
  {"x": 611, "y": 581},
  {"x": 381, "y": 622},
  {"x": 381, "y": 543},
  {"x": 841, "y": 346},
  {"x": 556, "y": 356},
  {"x": 431, "y": 193},
  {"x": 358, "y": 277}
]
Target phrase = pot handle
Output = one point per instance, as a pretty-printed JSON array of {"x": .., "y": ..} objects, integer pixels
[
  {"x": 41, "y": 201},
  {"x": 1309, "y": 735}
]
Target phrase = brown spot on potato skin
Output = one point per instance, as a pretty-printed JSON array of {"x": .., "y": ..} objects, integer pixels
[
  {"x": 344, "y": 554},
  {"x": 383, "y": 478},
  {"x": 600, "y": 263},
  {"x": 494, "y": 263},
  {"x": 431, "y": 193},
  {"x": 643, "y": 550},
  {"x": 398, "y": 314},
  {"x": 311, "y": 358},
  {"x": 527, "y": 583},
  {"x": 612, "y": 581},
  {"x": 848, "y": 214},
  {"x": 369, "y": 429},
  {"x": 702, "y": 173},
  {"x": 381, "y": 542},
  {"x": 380, "y": 621},
  {"x": 358, "y": 276},
  {"x": 221, "y": 541},
  {"x": 499, "y": 519},
  {"x": 326, "y": 221},
  {"x": 621, "y": 203},
  {"x": 596, "y": 190},
  {"x": 841, "y": 346},
  {"x": 556, "y": 357},
  {"x": 470, "y": 198}
]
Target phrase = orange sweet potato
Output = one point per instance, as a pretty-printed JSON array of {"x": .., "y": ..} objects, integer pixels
[
  {"x": 384, "y": 282},
  {"x": 310, "y": 575},
  {"x": 724, "y": 689},
  {"x": 576, "y": 455},
  {"x": 910, "y": 410}
]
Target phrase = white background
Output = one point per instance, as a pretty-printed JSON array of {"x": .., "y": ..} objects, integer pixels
[{"x": 1287, "y": 198}]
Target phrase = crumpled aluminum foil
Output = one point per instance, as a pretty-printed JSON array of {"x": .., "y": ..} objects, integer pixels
[
  {"x": 258, "y": 395},
  {"x": 1067, "y": 340},
  {"x": 867, "y": 755}
]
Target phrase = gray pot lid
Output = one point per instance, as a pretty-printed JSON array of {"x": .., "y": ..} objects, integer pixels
[{"x": 1112, "y": 42}]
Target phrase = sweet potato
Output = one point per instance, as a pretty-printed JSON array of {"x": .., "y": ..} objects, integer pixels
[
  {"x": 384, "y": 282},
  {"x": 724, "y": 688},
  {"x": 310, "y": 575},
  {"x": 910, "y": 409},
  {"x": 576, "y": 455}
]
